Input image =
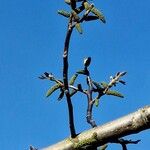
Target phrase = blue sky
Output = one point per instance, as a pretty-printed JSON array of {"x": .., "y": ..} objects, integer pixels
[{"x": 31, "y": 42}]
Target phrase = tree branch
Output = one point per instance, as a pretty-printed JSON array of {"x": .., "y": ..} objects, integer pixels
[
  {"x": 130, "y": 124},
  {"x": 65, "y": 79}
]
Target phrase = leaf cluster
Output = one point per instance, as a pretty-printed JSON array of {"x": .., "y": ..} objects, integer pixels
[
  {"x": 101, "y": 88},
  {"x": 89, "y": 10}
]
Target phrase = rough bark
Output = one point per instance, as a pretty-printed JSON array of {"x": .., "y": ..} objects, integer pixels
[{"x": 130, "y": 124}]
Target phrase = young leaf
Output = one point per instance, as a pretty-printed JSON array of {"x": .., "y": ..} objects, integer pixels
[
  {"x": 97, "y": 85},
  {"x": 84, "y": 72},
  {"x": 64, "y": 13},
  {"x": 96, "y": 102},
  {"x": 122, "y": 82},
  {"x": 52, "y": 89},
  {"x": 61, "y": 95},
  {"x": 75, "y": 16},
  {"x": 104, "y": 84},
  {"x": 123, "y": 73},
  {"x": 78, "y": 27},
  {"x": 73, "y": 92},
  {"x": 114, "y": 93},
  {"x": 98, "y": 14},
  {"x": 91, "y": 18},
  {"x": 73, "y": 78},
  {"x": 86, "y": 5}
]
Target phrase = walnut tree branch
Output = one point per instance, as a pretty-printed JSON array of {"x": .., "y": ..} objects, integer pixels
[
  {"x": 65, "y": 79},
  {"x": 127, "y": 125},
  {"x": 90, "y": 103}
]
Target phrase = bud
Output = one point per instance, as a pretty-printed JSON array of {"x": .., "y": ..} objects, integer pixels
[{"x": 87, "y": 61}]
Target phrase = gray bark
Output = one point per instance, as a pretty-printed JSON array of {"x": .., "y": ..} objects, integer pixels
[{"x": 130, "y": 124}]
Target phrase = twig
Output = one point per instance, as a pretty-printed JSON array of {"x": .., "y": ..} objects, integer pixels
[
  {"x": 125, "y": 142},
  {"x": 115, "y": 80},
  {"x": 65, "y": 79},
  {"x": 90, "y": 101}
]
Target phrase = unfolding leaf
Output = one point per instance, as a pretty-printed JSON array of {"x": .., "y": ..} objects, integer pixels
[
  {"x": 114, "y": 93},
  {"x": 86, "y": 5},
  {"x": 123, "y": 73},
  {"x": 122, "y": 82},
  {"x": 73, "y": 92},
  {"x": 61, "y": 95},
  {"x": 78, "y": 27},
  {"x": 91, "y": 18},
  {"x": 64, "y": 13},
  {"x": 84, "y": 72},
  {"x": 52, "y": 89},
  {"x": 98, "y": 14},
  {"x": 104, "y": 84},
  {"x": 95, "y": 11},
  {"x": 75, "y": 16},
  {"x": 96, "y": 102},
  {"x": 97, "y": 85},
  {"x": 73, "y": 78}
]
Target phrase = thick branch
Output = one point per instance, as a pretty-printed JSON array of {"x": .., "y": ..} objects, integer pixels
[{"x": 130, "y": 124}]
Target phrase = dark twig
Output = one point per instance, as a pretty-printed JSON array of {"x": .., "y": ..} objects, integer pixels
[
  {"x": 65, "y": 79},
  {"x": 90, "y": 101},
  {"x": 65, "y": 76},
  {"x": 32, "y": 148},
  {"x": 125, "y": 142}
]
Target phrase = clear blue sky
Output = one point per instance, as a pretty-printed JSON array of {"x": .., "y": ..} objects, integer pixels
[{"x": 31, "y": 42}]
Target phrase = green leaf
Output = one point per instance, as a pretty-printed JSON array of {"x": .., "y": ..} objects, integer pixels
[
  {"x": 114, "y": 93},
  {"x": 95, "y": 11},
  {"x": 64, "y": 13},
  {"x": 96, "y": 102},
  {"x": 91, "y": 18},
  {"x": 86, "y": 5},
  {"x": 104, "y": 84},
  {"x": 97, "y": 85},
  {"x": 52, "y": 89},
  {"x": 73, "y": 92},
  {"x": 78, "y": 27},
  {"x": 75, "y": 16},
  {"x": 73, "y": 78},
  {"x": 61, "y": 95},
  {"x": 84, "y": 72},
  {"x": 98, "y": 14}
]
